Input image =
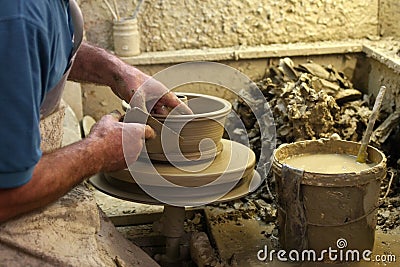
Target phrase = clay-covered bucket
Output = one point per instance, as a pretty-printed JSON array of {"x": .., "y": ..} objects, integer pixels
[{"x": 339, "y": 206}]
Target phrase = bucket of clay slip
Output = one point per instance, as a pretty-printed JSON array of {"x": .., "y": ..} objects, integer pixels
[
  {"x": 126, "y": 38},
  {"x": 318, "y": 210}
]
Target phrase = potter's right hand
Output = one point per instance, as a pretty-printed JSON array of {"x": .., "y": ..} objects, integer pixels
[{"x": 119, "y": 151}]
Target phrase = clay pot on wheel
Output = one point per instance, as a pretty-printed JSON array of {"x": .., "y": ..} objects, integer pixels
[{"x": 200, "y": 133}]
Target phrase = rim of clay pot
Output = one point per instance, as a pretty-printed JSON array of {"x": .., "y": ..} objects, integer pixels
[{"x": 226, "y": 107}]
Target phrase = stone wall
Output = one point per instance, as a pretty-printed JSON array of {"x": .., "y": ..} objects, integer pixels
[
  {"x": 382, "y": 75},
  {"x": 174, "y": 25},
  {"x": 389, "y": 12}
]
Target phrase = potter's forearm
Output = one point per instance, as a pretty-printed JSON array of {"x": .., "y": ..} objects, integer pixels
[
  {"x": 96, "y": 65},
  {"x": 93, "y": 64},
  {"x": 54, "y": 175}
]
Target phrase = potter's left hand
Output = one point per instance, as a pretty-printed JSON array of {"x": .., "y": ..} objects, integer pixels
[
  {"x": 154, "y": 97},
  {"x": 145, "y": 92}
]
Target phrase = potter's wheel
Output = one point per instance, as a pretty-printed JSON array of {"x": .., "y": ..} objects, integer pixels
[
  {"x": 235, "y": 164},
  {"x": 215, "y": 170},
  {"x": 119, "y": 190}
]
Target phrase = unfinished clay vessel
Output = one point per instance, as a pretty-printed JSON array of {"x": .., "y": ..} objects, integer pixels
[{"x": 200, "y": 134}]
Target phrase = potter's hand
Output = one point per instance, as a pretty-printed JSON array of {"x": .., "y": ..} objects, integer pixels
[
  {"x": 95, "y": 65},
  {"x": 154, "y": 97},
  {"x": 149, "y": 94},
  {"x": 119, "y": 151}
]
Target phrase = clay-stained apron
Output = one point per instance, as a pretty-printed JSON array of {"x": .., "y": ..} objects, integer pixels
[{"x": 53, "y": 97}]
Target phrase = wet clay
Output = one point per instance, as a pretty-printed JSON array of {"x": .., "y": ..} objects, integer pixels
[
  {"x": 201, "y": 132},
  {"x": 327, "y": 163}
]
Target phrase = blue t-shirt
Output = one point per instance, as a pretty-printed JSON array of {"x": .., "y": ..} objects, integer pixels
[{"x": 35, "y": 49}]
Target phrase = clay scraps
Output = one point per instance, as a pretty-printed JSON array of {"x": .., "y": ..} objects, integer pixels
[{"x": 308, "y": 101}]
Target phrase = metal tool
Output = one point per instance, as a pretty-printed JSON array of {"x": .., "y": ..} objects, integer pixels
[{"x": 137, "y": 115}]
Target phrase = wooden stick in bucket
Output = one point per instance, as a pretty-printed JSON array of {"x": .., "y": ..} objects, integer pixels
[{"x": 362, "y": 153}]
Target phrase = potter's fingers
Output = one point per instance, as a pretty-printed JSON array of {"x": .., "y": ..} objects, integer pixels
[
  {"x": 171, "y": 100},
  {"x": 160, "y": 110},
  {"x": 138, "y": 101},
  {"x": 116, "y": 115},
  {"x": 149, "y": 133},
  {"x": 183, "y": 109}
]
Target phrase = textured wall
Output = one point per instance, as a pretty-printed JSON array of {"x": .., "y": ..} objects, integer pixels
[
  {"x": 98, "y": 19},
  {"x": 382, "y": 75},
  {"x": 100, "y": 100},
  {"x": 389, "y": 15},
  {"x": 172, "y": 25}
]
